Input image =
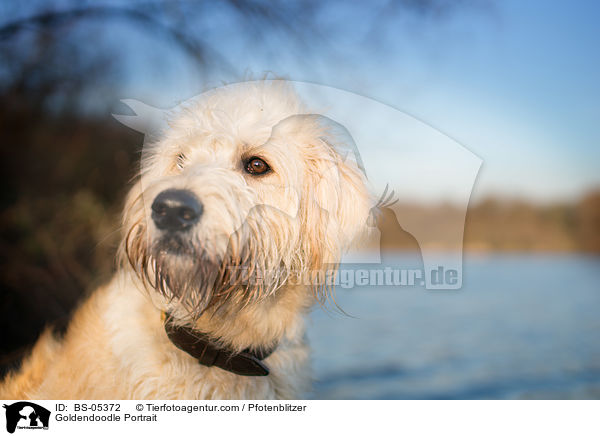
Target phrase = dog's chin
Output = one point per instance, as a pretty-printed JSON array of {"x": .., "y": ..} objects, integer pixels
[
  {"x": 185, "y": 274},
  {"x": 173, "y": 245},
  {"x": 195, "y": 279},
  {"x": 175, "y": 257}
]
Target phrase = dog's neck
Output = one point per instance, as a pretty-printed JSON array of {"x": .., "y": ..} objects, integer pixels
[
  {"x": 262, "y": 324},
  {"x": 257, "y": 326},
  {"x": 209, "y": 352}
]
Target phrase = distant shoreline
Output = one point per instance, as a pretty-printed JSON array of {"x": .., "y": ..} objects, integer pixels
[{"x": 494, "y": 225}]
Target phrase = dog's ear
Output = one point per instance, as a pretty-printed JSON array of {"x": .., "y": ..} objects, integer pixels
[{"x": 337, "y": 201}]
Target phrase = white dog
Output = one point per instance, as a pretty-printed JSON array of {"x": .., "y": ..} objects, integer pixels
[{"x": 242, "y": 196}]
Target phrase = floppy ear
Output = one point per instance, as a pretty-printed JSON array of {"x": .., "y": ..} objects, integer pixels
[{"x": 337, "y": 201}]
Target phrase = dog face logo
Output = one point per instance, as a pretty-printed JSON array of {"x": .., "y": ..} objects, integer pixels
[{"x": 26, "y": 415}]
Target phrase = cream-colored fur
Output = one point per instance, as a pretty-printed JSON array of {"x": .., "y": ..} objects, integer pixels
[{"x": 283, "y": 225}]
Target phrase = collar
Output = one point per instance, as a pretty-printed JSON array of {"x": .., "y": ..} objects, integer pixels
[{"x": 209, "y": 353}]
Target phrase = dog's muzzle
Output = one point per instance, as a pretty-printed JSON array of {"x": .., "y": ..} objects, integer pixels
[{"x": 176, "y": 210}]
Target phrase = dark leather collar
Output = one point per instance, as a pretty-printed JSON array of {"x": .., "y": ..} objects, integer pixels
[{"x": 209, "y": 353}]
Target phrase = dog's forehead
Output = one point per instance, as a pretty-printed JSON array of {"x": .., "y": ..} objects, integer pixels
[
  {"x": 234, "y": 116},
  {"x": 230, "y": 139},
  {"x": 220, "y": 144}
]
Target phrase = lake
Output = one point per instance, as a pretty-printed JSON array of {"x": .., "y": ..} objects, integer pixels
[{"x": 522, "y": 326}]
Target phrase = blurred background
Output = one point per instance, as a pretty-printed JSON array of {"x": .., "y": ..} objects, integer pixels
[{"x": 514, "y": 82}]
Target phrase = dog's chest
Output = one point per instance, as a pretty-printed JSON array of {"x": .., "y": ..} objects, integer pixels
[{"x": 150, "y": 366}]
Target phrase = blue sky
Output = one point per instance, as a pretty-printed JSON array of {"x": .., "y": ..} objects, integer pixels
[
  {"x": 517, "y": 85},
  {"x": 523, "y": 94}
]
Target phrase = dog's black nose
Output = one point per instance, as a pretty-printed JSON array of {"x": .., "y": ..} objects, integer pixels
[{"x": 176, "y": 210}]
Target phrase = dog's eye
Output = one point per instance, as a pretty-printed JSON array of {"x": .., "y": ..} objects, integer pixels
[{"x": 255, "y": 166}]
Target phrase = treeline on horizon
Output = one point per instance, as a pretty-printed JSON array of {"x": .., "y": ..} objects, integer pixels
[
  {"x": 497, "y": 225},
  {"x": 505, "y": 225}
]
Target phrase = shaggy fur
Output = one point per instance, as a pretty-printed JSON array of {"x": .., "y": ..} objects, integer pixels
[{"x": 273, "y": 228}]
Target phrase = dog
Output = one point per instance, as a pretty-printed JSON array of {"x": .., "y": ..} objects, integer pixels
[{"x": 242, "y": 197}]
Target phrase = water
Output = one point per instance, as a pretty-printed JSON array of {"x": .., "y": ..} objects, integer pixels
[{"x": 521, "y": 327}]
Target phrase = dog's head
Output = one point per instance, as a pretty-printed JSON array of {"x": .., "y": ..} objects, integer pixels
[{"x": 242, "y": 193}]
